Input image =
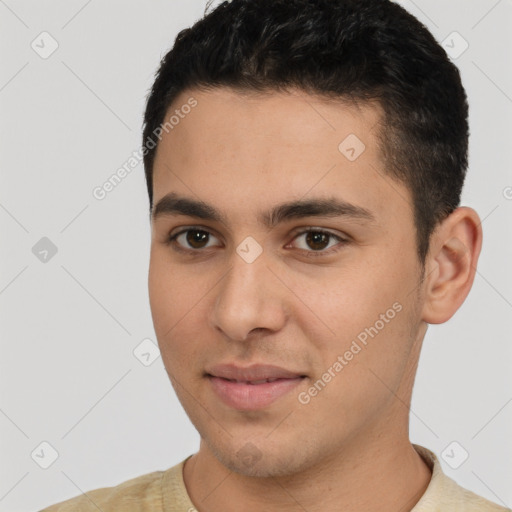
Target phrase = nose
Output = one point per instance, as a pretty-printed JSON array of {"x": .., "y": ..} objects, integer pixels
[{"x": 249, "y": 298}]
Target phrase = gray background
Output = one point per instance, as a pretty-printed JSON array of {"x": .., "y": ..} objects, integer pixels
[{"x": 70, "y": 324}]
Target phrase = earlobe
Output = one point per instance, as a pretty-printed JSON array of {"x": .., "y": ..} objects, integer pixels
[{"x": 451, "y": 264}]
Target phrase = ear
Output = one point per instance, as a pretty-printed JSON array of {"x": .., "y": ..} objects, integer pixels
[{"x": 451, "y": 263}]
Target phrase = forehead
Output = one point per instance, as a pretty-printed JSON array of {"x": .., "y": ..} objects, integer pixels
[
  {"x": 245, "y": 149},
  {"x": 294, "y": 117}
]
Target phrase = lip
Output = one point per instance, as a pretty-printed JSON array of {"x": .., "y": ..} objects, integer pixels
[
  {"x": 235, "y": 386},
  {"x": 252, "y": 373}
]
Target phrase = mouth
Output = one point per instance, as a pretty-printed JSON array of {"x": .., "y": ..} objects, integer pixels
[
  {"x": 252, "y": 388},
  {"x": 252, "y": 373},
  {"x": 257, "y": 382}
]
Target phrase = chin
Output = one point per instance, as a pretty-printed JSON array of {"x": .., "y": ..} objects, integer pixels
[{"x": 261, "y": 459}]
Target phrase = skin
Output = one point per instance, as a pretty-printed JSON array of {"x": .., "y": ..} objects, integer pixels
[{"x": 244, "y": 154}]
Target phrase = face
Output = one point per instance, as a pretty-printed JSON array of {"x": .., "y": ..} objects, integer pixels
[{"x": 282, "y": 250}]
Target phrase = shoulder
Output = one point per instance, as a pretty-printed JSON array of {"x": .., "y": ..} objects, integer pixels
[
  {"x": 444, "y": 494},
  {"x": 143, "y": 493},
  {"x": 460, "y": 498}
]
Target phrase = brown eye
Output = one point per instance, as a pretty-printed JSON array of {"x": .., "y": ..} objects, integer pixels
[
  {"x": 193, "y": 240},
  {"x": 317, "y": 240},
  {"x": 197, "y": 239}
]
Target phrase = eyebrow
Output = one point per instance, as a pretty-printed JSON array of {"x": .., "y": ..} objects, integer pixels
[{"x": 173, "y": 204}]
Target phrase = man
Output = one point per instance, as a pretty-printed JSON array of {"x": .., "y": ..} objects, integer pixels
[{"x": 304, "y": 162}]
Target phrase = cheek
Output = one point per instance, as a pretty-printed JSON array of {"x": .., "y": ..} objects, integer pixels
[
  {"x": 366, "y": 308},
  {"x": 161, "y": 287},
  {"x": 177, "y": 307},
  {"x": 342, "y": 301},
  {"x": 172, "y": 291}
]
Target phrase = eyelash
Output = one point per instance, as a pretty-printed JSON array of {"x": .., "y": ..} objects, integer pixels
[{"x": 171, "y": 240}]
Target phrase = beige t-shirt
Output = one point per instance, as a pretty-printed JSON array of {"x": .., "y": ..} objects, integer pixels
[{"x": 165, "y": 491}]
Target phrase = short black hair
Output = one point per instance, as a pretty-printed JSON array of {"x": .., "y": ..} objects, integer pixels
[{"x": 352, "y": 50}]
